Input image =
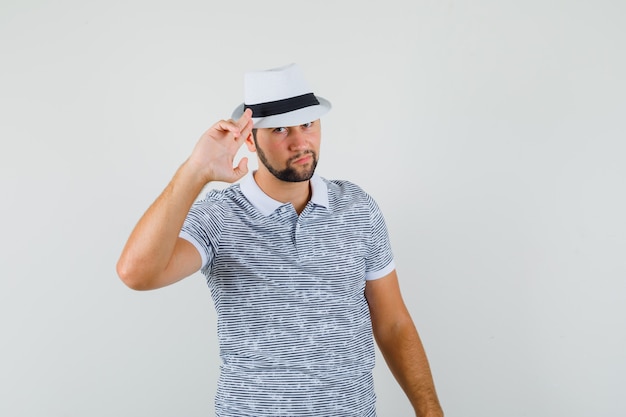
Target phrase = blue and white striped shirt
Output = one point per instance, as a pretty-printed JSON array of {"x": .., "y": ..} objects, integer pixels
[{"x": 294, "y": 328}]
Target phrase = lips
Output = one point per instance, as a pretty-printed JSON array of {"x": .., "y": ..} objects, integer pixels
[{"x": 302, "y": 158}]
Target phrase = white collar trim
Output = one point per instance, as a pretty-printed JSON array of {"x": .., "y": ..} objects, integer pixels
[{"x": 267, "y": 205}]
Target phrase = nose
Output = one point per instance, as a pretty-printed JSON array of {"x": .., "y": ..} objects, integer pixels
[{"x": 297, "y": 139}]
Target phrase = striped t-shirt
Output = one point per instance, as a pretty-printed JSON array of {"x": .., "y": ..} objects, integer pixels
[{"x": 294, "y": 328}]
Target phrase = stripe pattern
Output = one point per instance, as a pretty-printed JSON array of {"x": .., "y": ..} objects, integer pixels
[{"x": 294, "y": 328}]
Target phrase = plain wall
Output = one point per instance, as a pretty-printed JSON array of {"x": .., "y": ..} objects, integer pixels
[{"x": 491, "y": 133}]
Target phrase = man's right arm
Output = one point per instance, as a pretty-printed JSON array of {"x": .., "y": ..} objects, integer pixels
[{"x": 154, "y": 255}]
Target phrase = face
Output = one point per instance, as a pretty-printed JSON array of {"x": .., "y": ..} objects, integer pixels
[{"x": 289, "y": 153}]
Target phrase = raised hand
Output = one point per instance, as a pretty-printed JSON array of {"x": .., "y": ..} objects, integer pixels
[{"x": 214, "y": 154}]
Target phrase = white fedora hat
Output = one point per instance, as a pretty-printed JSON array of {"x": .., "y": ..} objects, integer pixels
[{"x": 280, "y": 97}]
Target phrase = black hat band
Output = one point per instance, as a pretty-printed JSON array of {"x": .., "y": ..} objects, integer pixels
[{"x": 286, "y": 105}]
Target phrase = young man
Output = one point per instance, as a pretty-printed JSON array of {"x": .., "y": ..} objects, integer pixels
[{"x": 300, "y": 268}]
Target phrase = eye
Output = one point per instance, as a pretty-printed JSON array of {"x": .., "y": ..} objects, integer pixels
[
  {"x": 307, "y": 125},
  {"x": 279, "y": 130}
]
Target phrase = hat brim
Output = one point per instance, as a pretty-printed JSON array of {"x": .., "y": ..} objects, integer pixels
[{"x": 292, "y": 118}]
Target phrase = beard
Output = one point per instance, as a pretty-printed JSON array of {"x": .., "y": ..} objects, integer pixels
[{"x": 290, "y": 174}]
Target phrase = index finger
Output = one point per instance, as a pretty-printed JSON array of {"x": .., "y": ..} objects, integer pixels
[
  {"x": 244, "y": 119},
  {"x": 246, "y": 130}
]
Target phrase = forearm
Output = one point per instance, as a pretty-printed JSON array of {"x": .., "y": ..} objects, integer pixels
[
  {"x": 403, "y": 351},
  {"x": 151, "y": 244},
  {"x": 154, "y": 256}
]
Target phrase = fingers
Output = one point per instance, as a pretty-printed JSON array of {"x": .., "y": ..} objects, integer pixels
[
  {"x": 245, "y": 124},
  {"x": 240, "y": 128},
  {"x": 227, "y": 126},
  {"x": 245, "y": 117},
  {"x": 245, "y": 131}
]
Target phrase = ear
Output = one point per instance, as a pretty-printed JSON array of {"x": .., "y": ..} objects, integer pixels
[{"x": 250, "y": 143}]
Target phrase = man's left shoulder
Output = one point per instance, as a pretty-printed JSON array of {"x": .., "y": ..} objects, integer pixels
[
  {"x": 340, "y": 186},
  {"x": 344, "y": 192}
]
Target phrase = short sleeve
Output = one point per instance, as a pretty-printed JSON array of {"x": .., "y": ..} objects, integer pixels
[
  {"x": 379, "y": 261},
  {"x": 203, "y": 227}
]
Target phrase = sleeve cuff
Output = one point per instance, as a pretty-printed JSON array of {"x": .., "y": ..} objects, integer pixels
[
  {"x": 380, "y": 273},
  {"x": 196, "y": 244}
]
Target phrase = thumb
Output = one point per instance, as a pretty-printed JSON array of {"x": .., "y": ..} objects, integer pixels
[{"x": 242, "y": 168}]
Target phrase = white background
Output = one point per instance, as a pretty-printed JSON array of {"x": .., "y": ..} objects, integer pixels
[{"x": 491, "y": 133}]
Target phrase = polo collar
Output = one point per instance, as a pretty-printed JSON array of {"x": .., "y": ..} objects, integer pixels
[{"x": 267, "y": 205}]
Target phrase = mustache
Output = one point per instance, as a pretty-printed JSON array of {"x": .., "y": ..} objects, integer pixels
[{"x": 300, "y": 155}]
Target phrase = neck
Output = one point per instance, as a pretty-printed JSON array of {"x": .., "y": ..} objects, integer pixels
[{"x": 296, "y": 193}]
